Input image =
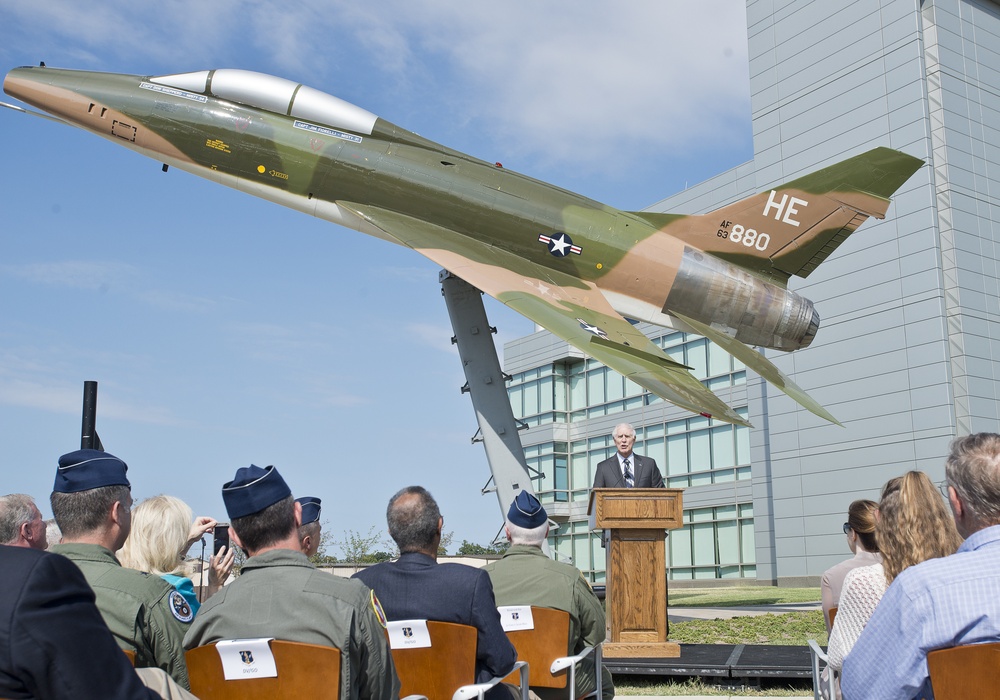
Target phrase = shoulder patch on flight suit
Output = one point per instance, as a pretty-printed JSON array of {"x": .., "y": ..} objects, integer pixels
[
  {"x": 377, "y": 607},
  {"x": 179, "y": 607}
]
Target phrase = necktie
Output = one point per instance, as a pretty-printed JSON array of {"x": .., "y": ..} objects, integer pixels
[{"x": 628, "y": 474}]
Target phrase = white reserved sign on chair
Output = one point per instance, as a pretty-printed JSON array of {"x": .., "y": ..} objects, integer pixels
[
  {"x": 408, "y": 634},
  {"x": 246, "y": 658},
  {"x": 516, "y": 617}
]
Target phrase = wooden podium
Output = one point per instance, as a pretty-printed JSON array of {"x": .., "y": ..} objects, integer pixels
[{"x": 636, "y": 593}]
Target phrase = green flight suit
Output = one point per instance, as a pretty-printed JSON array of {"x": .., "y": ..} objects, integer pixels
[
  {"x": 280, "y": 594},
  {"x": 526, "y": 576},
  {"x": 145, "y": 613}
]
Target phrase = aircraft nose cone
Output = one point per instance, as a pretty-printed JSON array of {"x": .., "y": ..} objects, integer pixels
[{"x": 50, "y": 89}]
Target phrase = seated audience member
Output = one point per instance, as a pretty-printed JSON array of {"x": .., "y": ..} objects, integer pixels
[
  {"x": 21, "y": 523},
  {"x": 416, "y": 587},
  {"x": 280, "y": 594},
  {"x": 163, "y": 530},
  {"x": 54, "y": 644},
  {"x": 943, "y": 602},
  {"x": 913, "y": 525},
  {"x": 92, "y": 501},
  {"x": 860, "y": 532},
  {"x": 527, "y": 576},
  {"x": 309, "y": 532}
]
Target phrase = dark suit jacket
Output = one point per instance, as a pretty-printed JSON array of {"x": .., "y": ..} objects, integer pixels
[
  {"x": 416, "y": 587},
  {"x": 53, "y": 641},
  {"x": 647, "y": 474}
]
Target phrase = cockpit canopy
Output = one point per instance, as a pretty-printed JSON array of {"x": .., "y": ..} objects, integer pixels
[{"x": 275, "y": 95}]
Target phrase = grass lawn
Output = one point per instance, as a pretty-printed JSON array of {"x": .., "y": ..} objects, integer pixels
[{"x": 747, "y": 595}]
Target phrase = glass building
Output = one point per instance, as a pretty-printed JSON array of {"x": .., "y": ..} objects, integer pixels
[{"x": 906, "y": 356}]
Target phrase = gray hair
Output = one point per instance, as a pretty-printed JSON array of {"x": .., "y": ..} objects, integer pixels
[
  {"x": 973, "y": 469},
  {"x": 614, "y": 433},
  {"x": 84, "y": 512},
  {"x": 16, "y": 509},
  {"x": 413, "y": 522},
  {"x": 532, "y": 536}
]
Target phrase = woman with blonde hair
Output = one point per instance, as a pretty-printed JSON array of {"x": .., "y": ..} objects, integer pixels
[
  {"x": 163, "y": 529},
  {"x": 913, "y": 525}
]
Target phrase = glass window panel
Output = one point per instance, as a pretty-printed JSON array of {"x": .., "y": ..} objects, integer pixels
[
  {"x": 677, "y": 455},
  {"x": 746, "y": 510},
  {"x": 516, "y": 400},
  {"x": 718, "y": 360},
  {"x": 703, "y": 545},
  {"x": 700, "y": 444},
  {"x": 581, "y": 551},
  {"x": 632, "y": 389},
  {"x": 595, "y": 387},
  {"x": 545, "y": 394},
  {"x": 723, "y": 476},
  {"x": 559, "y": 392},
  {"x": 697, "y": 357},
  {"x": 676, "y": 353},
  {"x": 577, "y": 391},
  {"x": 680, "y": 547},
  {"x": 580, "y": 472},
  {"x": 531, "y": 399},
  {"x": 678, "y": 482},
  {"x": 725, "y": 512},
  {"x": 723, "y": 447},
  {"x": 742, "y": 445},
  {"x": 742, "y": 473},
  {"x": 702, "y": 479},
  {"x": 656, "y": 449},
  {"x": 728, "y": 537},
  {"x": 701, "y": 515},
  {"x": 747, "y": 542},
  {"x": 729, "y": 572},
  {"x": 616, "y": 386}
]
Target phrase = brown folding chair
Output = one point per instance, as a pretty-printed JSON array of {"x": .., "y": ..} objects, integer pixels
[
  {"x": 968, "y": 671},
  {"x": 130, "y": 655},
  {"x": 446, "y": 670},
  {"x": 304, "y": 670},
  {"x": 833, "y": 615},
  {"x": 545, "y": 650}
]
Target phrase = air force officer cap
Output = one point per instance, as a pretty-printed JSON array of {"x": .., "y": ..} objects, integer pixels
[
  {"x": 526, "y": 511},
  {"x": 253, "y": 490},
  {"x": 311, "y": 507},
  {"x": 84, "y": 470}
]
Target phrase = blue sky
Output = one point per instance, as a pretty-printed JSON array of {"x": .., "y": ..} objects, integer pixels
[{"x": 225, "y": 330}]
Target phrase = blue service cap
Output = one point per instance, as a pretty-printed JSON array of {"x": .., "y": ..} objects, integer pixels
[
  {"x": 253, "y": 490},
  {"x": 527, "y": 511},
  {"x": 89, "y": 469},
  {"x": 311, "y": 507}
]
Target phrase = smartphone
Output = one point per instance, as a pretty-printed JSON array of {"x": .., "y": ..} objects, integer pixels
[{"x": 220, "y": 537}]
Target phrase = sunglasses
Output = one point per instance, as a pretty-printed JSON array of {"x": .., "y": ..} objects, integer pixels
[{"x": 847, "y": 528}]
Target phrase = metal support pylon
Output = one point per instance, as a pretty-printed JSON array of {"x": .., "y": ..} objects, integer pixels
[{"x": 486, "y": 384}]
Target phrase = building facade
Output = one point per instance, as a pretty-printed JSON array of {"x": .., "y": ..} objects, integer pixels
[{"x": 906, "y": 356}]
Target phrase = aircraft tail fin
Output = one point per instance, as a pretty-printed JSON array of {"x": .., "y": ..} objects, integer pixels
[{"x": 791, "y": 229}]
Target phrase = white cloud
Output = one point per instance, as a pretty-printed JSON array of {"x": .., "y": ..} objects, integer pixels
[{"x": 77, "y": 274}]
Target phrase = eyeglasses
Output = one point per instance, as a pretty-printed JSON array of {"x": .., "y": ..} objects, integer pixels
[
  {"x": 847, "y": 528},
  {"x": 944, "y": 488}
]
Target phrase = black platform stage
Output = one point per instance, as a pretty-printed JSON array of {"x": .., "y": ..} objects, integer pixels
[{"x": 746, "y": 662}]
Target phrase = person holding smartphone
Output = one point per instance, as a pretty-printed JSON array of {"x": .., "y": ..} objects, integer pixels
[{"x": 163, "y": 530}]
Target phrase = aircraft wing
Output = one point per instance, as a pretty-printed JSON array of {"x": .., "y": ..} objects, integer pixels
[{"x": 571, "y": 308}]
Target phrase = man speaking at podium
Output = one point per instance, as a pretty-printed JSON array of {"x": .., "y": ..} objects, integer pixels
[{"x": 627, "y": 469}]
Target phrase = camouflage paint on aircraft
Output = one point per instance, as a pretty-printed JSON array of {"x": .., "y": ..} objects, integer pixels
[{"x": 581, "y": 269}]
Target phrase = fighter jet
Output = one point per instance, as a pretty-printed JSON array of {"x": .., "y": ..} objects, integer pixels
[{"x": 585, "y": 271}]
